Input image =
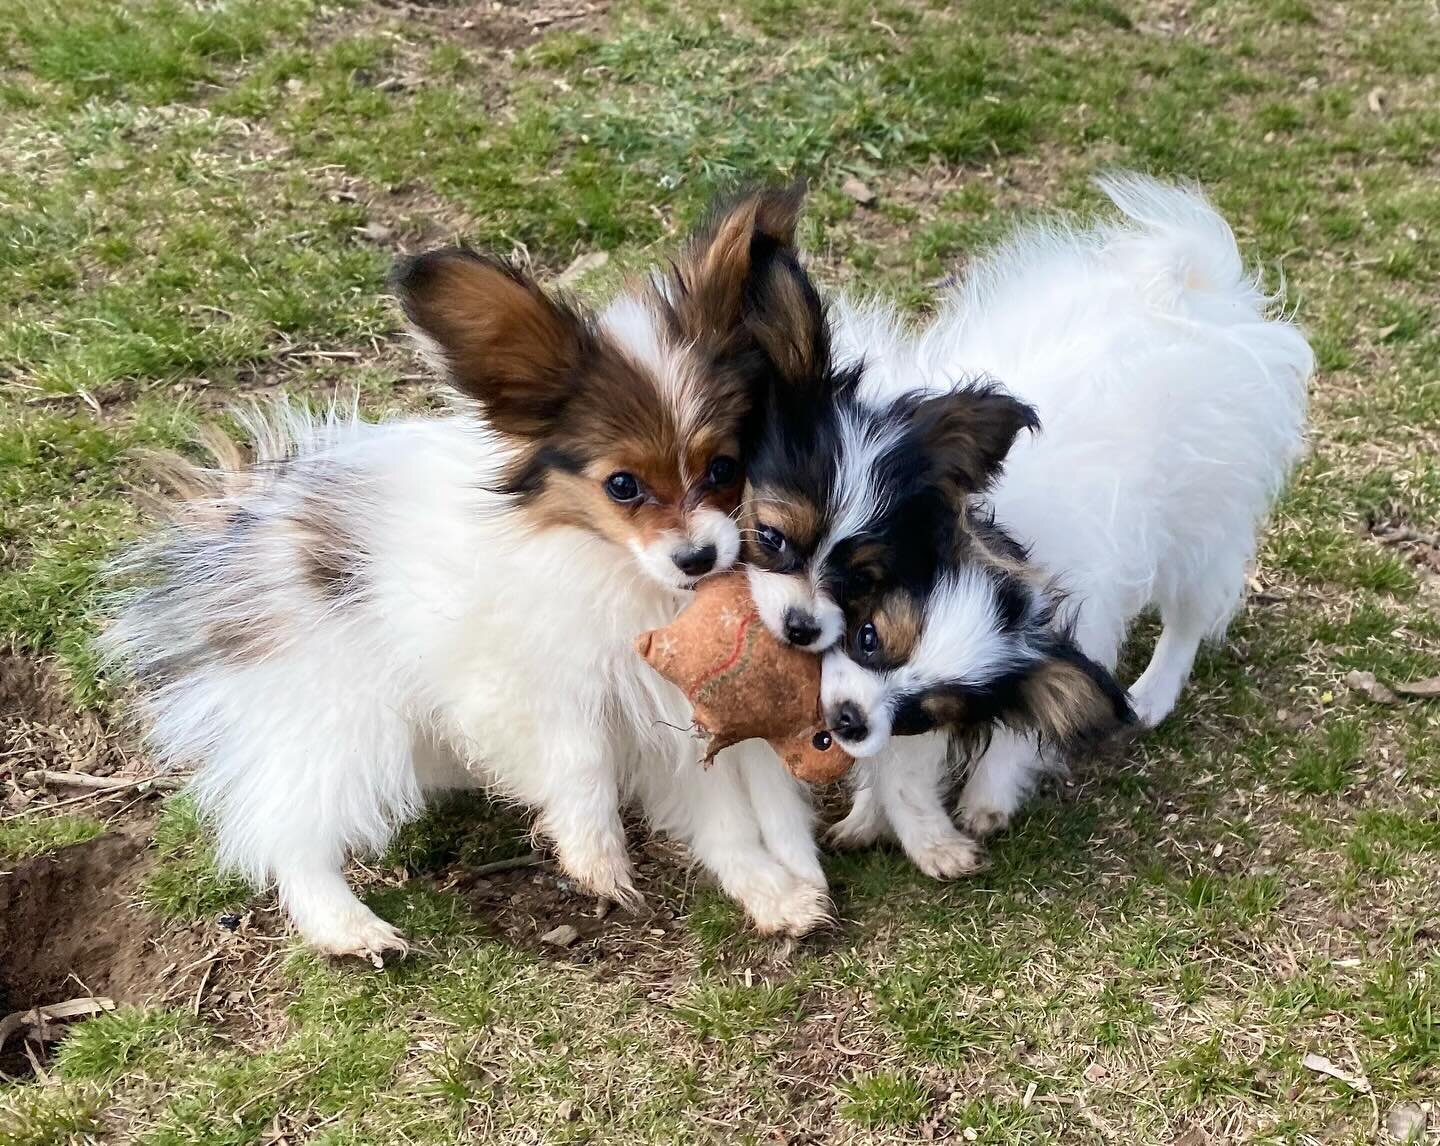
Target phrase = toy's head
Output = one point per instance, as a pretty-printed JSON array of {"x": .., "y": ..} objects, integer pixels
[{"x": 743, "y": 683}]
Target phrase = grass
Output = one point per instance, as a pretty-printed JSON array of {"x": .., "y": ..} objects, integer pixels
[
  {"x": 199, "y": 206},
  {"x": 185, "y": 883},
  {"x": 37, "y": 836}
]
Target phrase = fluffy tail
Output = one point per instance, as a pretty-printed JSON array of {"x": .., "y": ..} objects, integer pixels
[
  {"x": 1255, "y": 365},
  {"x": 1181, "y": 252}
]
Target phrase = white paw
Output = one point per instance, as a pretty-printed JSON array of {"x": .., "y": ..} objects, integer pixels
[
  {"x": 859, "y": 829},
  {"x": 790, "y": 906},
  {"x": 360, "y": 932},
  {"x": 1149, "y": 709},
  {"x": 609, "y": 878},
  {"x": 948, "y": 857},
  {"x": 981, "y": 819}
]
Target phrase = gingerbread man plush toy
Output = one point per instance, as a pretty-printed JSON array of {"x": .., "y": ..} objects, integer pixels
[{"x": 743, "y": 683}]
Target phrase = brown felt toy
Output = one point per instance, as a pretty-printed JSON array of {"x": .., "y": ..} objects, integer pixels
[{"x": 742, "y": 682}]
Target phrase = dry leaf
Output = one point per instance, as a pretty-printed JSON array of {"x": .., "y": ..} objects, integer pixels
[
  {"x": 1405, "y": 1123},
  {"x": 12, "y": 1023},
  {"x": 858, "y": 191},
  {"x": 1365, "y": 682},
  {"x": 581, "y": 267},
  {"x": 1322, "y": 1065},
  {"x": 1376, "y": 100},
  {"x": 562, "y": 936},
  {"x": 1427, "y": 689},
  {"x": 1095, "y": 1072},
  {"x": 375, "y": 232}
]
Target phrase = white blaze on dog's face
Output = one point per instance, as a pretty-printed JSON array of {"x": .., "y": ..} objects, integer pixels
[
  {"x": 633, "y": 426},
  {"x": 846, "y": 499},
  {"x": 979, "y": 647}
]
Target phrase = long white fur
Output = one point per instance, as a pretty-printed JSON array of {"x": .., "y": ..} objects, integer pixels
[
  {"x": 1172, "y": 402},
  {"x": 482, "y": 651}
]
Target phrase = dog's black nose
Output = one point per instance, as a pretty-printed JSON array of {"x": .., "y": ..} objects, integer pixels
[
  {"x": 694, "y": 560},
  {"x": 800, "y": 628},
  {"x": 848, "y": 723}
]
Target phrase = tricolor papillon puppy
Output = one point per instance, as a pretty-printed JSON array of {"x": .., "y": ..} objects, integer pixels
[
  {"x": 363, "y": 612},
  {"x": 1151, "y": 411}
]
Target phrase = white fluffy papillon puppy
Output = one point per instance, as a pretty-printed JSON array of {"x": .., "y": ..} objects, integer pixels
[
  {"x": 363, "y": 612},
  {"x": 1149, "y": 408}
]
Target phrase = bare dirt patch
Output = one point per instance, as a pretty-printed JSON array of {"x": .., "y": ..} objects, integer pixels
[{"x": 71, "y": 924}]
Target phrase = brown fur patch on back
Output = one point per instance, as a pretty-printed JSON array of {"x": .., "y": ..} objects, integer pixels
[
  {"x": 331, "y": 556},
  {"x": 242, "y": 642}
]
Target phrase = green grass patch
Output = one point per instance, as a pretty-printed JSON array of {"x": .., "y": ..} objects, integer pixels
[
  {"x": 185, "y": 883},
  {"x": 154, "y": 50},
  {"x": 885, "y": 1099},
  {"x": 122, "y": 1040},
  {"x": 41, "y": 835},
  {"x": 728, "y": 1010}
]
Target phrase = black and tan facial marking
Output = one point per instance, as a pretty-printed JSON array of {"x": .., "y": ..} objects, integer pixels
[
  {"x": 625, "y": 448},
  {"x": 779, "y": 528},
  {"x": 890, "y": 632}
]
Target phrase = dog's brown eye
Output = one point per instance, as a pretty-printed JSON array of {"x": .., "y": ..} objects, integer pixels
[
  {"x": 770, "y": 539},
  {"x": 723, "y": 471},
  {"x": 622, "y": 487},
  {"x": 868, "y": 640}
]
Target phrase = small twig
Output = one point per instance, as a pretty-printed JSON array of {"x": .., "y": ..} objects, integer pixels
[
  {"x": 204, "y": 979},
  {"x": 99, "y": 783},
  {"x": 839, "y": 1026},
  {"x": 496, "y": 866},
  {"x": 148, "y": 782}
]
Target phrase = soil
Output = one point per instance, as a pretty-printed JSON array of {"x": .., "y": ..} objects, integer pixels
[
  {"x": 70, "y": 925},
  {"x": 31, "y": 691}
]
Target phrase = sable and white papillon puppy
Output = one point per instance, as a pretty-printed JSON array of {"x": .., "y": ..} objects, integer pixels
[
  {"x": 1161, "y": 406},
  {"x": 364, "y": 612}
]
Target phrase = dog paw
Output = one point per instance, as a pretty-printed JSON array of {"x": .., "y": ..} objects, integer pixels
[
  {"x": 949, "y": 857},
  {"x": 792, "y": 907},
  {"x": 607, "y": 877},
  {"x": 361, "y": 933},
  {"x": 982, "y": 820},
  {"x": 857, "y": 830},
  {"x": 1149, "y": 710},
  {"x": 623, "y": 895}
]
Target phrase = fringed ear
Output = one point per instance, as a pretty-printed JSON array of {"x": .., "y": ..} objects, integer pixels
[
  {"x": 967, "y": 433},
  {"x": 739, "y": 278},
  {"x": 501, "y": 339},
  {"x": 1068, "y": 698}
]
